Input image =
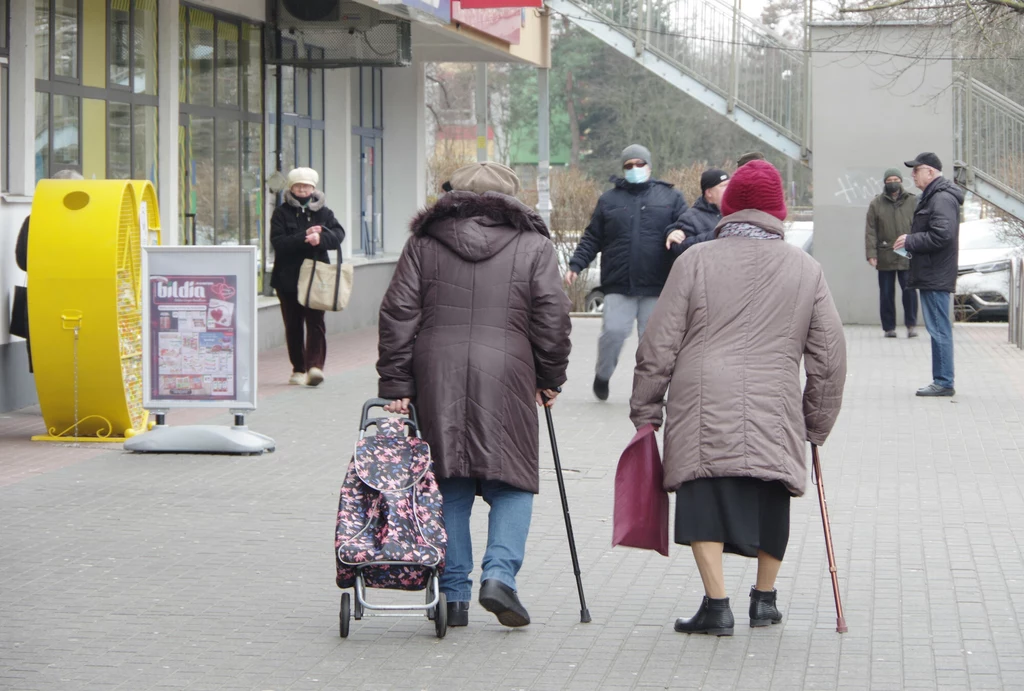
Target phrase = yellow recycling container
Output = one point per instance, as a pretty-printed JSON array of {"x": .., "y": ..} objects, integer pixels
[
  {"x": 149, "y": 212},
  {"x": 85, "y": 314}
]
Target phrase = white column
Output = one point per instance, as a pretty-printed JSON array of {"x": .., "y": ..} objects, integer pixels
[
  {"x": 167, "y": 120},
  {"x": 22, "y": 108},
  {"x": 405, "y": 153},
  {"x": 338, "y": 152}
]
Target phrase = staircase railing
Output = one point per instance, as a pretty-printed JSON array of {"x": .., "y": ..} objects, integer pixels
[
  {"x": 989, "y": 137},
  {"x": 735, "y": 56}
]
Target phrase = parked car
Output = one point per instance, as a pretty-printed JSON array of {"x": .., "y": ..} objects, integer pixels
[
  {"x": 983, "y": 280},
  {"x": 801, "y": 234},
  {"x": 590, "y": 277}
]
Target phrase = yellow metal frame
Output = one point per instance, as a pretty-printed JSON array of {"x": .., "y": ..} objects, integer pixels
[{"x": 85, "y": 298}]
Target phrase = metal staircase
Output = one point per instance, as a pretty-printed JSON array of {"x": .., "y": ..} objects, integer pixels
[{"x": 741, "y": 69}]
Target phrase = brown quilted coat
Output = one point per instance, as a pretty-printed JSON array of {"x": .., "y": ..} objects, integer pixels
[
  {"x": 474, "y": 321},
  {"x": 728, "y": 333}
]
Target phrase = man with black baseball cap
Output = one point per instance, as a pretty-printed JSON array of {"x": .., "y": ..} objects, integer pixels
[
  {"x": 697, "y": 224},
  {"x": 933, "y": 246}
]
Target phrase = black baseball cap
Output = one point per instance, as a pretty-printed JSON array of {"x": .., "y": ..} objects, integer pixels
[{"x": 925, "y": 159}]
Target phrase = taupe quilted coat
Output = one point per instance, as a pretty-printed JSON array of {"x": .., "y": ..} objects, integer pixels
[
  {"x": 474, "y": 321},
  {"x": 726, "y": 339}
]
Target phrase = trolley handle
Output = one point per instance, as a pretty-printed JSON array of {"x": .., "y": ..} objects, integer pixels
[{"x": 366, "y": 421}]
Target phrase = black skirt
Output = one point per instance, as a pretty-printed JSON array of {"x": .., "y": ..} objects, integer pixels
[{"x": 744, "y": 513}]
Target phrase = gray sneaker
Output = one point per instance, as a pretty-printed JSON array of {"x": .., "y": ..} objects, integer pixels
[
  {"x": 911, "y": 332},
  {"x": 890, "y": 334},
  {"x": 936, "y": 390}
]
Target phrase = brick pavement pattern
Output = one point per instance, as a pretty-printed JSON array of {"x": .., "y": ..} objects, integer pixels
[{"x": 121, "y": 571}]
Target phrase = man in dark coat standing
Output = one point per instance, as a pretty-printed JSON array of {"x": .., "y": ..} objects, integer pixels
[
  {"x": 890, "y": 215},
  {"x": 474, "y": 329},
  {"x": 628, "y": 228},
  {"x": 697, "y": 224},
  {"x": 934, "y": 247}
]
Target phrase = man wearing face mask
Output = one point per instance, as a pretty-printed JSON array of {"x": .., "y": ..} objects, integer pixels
[
  {"x": 889, "y": 216},
  {"x": 628, "y": 229}
]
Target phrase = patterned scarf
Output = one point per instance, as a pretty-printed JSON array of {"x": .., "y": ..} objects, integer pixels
[{"x": 746, "y": 230}]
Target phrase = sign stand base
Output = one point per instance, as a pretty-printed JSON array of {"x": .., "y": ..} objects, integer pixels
[{"x": 211, "y": 439}]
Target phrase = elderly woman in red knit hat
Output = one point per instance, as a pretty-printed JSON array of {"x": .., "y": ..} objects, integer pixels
[{"x": 725, "y": 341}]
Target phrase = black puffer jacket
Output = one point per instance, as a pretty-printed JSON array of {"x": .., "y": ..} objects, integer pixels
[
  {"x": 628, "y": 228},
  {"x": 698, "y": 222},
  {"x": 288, "y": 236},
  {"x": 934, "y": 240}
]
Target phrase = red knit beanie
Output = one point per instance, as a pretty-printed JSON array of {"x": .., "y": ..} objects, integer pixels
[{"x": 756, "y": 185}]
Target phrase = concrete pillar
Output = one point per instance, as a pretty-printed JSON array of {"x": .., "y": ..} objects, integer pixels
[
  {"x": 338, "y": 153},
  {"x": 405, "y": 153},
  {"x": 168, "y": 107},
  {"x": 872, "y": 112},
  {"x": 22, "y": 108}
]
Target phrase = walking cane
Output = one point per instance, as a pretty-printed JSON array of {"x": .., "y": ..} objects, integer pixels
[
  {"x": 840, "y": 620},
  {"x": 584, "y": 612}
]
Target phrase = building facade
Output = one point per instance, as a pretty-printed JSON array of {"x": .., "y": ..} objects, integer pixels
[{"x": 182, "y": 94}]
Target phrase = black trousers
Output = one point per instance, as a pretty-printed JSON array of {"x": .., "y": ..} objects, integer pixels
[
  {"x": 887, "y": 299},
  {"x": 309, "y": 349}
]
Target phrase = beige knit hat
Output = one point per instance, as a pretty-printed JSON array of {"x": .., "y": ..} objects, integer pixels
[
  {"x": 302, "y": 176},
  {"x": 485, "y": 176}
]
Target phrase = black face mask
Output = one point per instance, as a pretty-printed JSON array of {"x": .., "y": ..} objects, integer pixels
[
  {"x": 893, "y": 187},
  {"x": 302, "y": 200}
]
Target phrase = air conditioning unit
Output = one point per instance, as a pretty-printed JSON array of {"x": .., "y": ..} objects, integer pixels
[{"x": 335, "y": 33}]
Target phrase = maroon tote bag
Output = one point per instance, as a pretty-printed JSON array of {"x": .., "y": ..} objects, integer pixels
[{"x": 641, "y": 505}]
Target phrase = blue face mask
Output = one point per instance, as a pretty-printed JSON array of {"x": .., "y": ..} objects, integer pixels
[{"x": 638, "y": 176}]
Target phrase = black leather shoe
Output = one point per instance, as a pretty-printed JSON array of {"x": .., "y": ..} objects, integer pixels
[
  {"x": 714, "y": 618},
  {"x": 500, "y": 600},
  {"x": 458, "y": 614},
  {"x": 601, "y": 388},
  {"x": 763, "y": 610}
]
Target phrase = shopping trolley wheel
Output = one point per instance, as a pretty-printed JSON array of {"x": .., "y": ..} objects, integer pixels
[
  {"x": 343, "y": 616},
  {"x": 441, "y": 616}
]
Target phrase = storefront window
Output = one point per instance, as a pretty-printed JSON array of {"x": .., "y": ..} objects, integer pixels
[
  {"x": 42, "y": 39},
  {"x": 119, "y": 140},
  {"x": 221, "y": 112},
  {"x": 144, "y": 32}
]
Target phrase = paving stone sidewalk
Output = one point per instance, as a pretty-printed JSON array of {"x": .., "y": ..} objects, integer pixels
[{"x": 122, "y": 571}]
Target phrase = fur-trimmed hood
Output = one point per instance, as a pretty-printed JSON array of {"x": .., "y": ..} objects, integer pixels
[
  {"x": 316, "y": 202},
  {"x": 477, "y": 226}
]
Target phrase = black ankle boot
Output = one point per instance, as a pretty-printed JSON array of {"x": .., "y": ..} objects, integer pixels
[
  {"x": 458, "y": 614},
  {"x": 762, "y": 608},
  {"x": 714, "y": 617}
]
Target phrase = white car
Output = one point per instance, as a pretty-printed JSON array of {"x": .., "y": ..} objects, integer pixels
[
  {"x": 983, "y": 278},
  {"x": 801, "y": 234}
]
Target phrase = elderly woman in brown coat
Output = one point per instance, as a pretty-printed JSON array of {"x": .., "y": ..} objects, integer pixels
[
  {"x": 475, "y": 329},
  {"x": 726, "y": 340}
]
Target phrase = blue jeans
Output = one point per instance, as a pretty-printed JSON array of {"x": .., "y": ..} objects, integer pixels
[
  {"x": 508, "y": 524},
  {"x": 937, "y": 305}
]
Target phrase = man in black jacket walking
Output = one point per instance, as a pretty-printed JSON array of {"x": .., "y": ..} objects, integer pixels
[
  {"x": 934, "y": 247},
  {"x": 628, "y": 228},
  {"x": 697, "y": 224}
]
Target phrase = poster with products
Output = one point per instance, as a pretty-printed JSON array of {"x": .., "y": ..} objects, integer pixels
[
  {"x": 192, "y": 320},
  {"x": 199, "y": 340}
]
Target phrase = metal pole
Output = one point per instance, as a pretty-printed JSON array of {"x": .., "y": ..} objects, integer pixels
[
  {"x": 481, "y": 111},
  {"x": 543, "y": 147},
  {"x": 734, "y": 72},
  {"x": 805, "y": 144}
]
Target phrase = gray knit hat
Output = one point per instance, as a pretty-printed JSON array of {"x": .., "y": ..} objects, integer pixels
[
  {"x": 636, "y": 151},
  {"x": 893, "y": 172},
  {"x": 485, "y": 176}
]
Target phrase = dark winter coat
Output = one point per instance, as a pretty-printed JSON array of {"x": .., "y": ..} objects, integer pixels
[
  {"x": 628, "y": 229},
  {"x": 698, "y": 223},
  {"x": 934, "y": 240},
  {"x": 474, "y": 322},
  {"x": 888, "y": 219},
  {"x": 288, "y": 236},
  {"x": 21, "y": 246}
]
